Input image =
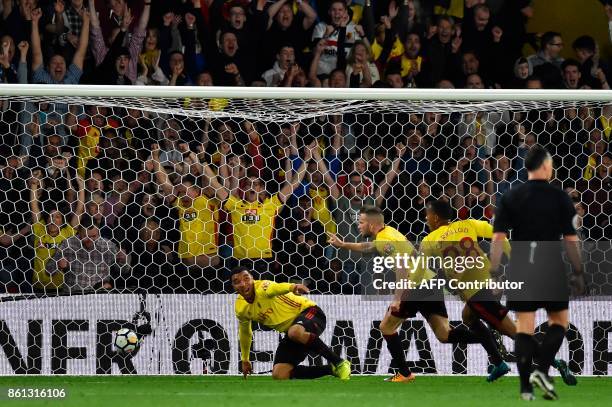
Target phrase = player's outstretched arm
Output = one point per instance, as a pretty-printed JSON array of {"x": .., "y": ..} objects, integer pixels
[
  {"x": 245, "y": 334},
  {"x": 363, "y": 247},
  {"x": 272, "y": 289}
]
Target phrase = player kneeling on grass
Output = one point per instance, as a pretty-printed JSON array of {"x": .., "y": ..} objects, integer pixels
[{"x": 279, "y": 306}]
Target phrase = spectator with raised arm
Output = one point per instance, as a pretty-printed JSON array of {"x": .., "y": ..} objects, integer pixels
[
  {"x": 197, "y": 213},
  {"x": 16, "y": 20},
  {"x": 442, "y": 51},
  {"x": 195, "y": 40},
  {"x": 337, "y": 38},
  {"x": 286, "y": 28},
  {"x": 66, "y": 24},
  {"x": 484, "y": 37},
  {"x": 51, "y": 228},
  {"x": 229, "y": 66},
  {"x": 87, "y": 261},
  {"x": 56, "y": 72},
  {"x": 105, "y": 56},
  {"x": 253, "y": 215}
]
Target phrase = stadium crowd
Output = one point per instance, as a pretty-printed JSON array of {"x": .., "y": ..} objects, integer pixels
[{"x": 94, "y": 197}]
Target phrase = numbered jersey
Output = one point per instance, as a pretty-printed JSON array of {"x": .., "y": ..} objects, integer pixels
[
  {"x": 253, "y": 224},
  {"x": 198, "y": 224},
  {"x": 456, "y": 250}
]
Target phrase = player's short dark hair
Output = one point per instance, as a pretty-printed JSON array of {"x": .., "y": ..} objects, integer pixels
[
  {"x": 535, "y": 157},
  {"x": 584, "y": 42},
  {"x": 238, "y": 270},
  {"x": 441, "y": 208},
  {"x": 370, "y": 210}
]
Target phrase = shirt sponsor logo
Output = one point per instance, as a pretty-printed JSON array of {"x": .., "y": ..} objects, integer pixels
[
  {"x": 190, "y": 215},
  {"x": 250, "y": 216}
]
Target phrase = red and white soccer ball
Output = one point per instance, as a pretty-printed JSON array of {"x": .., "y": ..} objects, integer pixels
[{"x": 126, "y": 341}]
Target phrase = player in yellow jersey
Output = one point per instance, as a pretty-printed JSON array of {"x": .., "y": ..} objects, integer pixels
[
  {"x": 198, "y": 215},
  {"x": 429, "y": 302},
  {"x": 253, "y": 216},
  {"x": 281, "y": 307},
  {"x": 460, "y": 239},
  {"x": 50, "y": 228}
]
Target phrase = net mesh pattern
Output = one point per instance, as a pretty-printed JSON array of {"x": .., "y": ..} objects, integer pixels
[{"x": 167, "y": 195}]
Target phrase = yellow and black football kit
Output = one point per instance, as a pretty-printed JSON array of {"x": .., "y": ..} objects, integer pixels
[{"x": 276, "y": 307}]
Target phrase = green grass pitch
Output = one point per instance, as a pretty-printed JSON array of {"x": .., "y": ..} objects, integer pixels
[{"x": 435, "y": 391}]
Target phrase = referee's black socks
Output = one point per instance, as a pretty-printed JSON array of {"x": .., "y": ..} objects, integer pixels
[
  {"x": 524, "y": 349},
  {"x": 394, "y": 344},
  {"x": 550, "y": 346},
  {"x": 315, "y": 343}
]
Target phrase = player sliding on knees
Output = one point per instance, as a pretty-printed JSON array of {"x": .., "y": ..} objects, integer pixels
[
  {"x": 389, "y": 242},
  {"x": 281, "y": 307}
]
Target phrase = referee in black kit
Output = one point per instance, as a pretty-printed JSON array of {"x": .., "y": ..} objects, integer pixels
[{"x": 539, "y": 216}]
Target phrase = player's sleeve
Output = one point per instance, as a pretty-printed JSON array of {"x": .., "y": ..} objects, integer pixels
[
  {"x": 427, "y": 246},
  {"x": 568, "y": 212},
  {"x": 245, "y": 334},
  {"x": 230, "y": 203},
  {"x": 276, "y": 202},
  {"x": 271, "y": 289},
  {"x": 482, "y": 228},
  {"x": 501, "y": 223}
]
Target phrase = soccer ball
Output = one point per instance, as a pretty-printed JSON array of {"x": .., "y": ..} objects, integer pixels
[{"x": 126, "y": 341}]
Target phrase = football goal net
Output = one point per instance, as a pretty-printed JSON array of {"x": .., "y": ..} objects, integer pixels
[{"x": 127, "y": 207}]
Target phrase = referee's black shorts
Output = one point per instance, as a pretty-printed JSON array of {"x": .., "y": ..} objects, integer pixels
[
  {"x": 427, "y": 302},
  {"x": 545, "y": 286},
  {"x": 313, "y": 320}
]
